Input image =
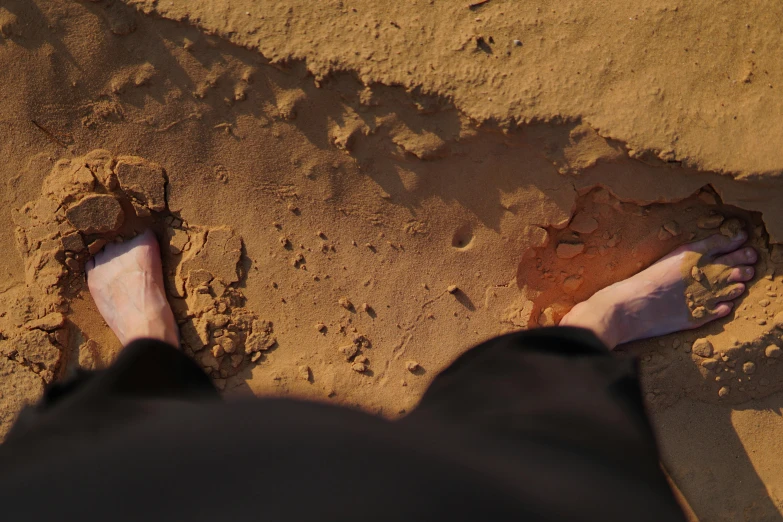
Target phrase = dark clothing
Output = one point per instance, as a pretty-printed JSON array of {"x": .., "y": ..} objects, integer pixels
[{"x": 543, "y": 425}]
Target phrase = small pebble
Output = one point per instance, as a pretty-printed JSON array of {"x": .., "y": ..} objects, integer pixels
[
  {"x": 348, "y": 351},
  {"x": 724, "y": 392},
  {"x": 772, "y": 351},
  {"x": 412, "y": 366},
  {"x": 710, "y": 221},
  {"x": 749, "y": 367},
  {"x": 699, "y": 312},
  {"x": 569, "y": 250},
  {"x": 452, "y": 289},
  {"x": 702, "y": 348},
  {"x": 320, "y": 327},
  {"x": 518, "y": 43},
  {"x": 345, "y": 303},
  {"x": 359, "y": 367},
  {"x": 673, "y": 228}
]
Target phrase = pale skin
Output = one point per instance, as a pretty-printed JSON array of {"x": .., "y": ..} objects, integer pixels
[{"x": 126, "y": 283}]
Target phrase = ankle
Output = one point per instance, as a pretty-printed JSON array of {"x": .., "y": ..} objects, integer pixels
[{"x": 601, "y": 316}]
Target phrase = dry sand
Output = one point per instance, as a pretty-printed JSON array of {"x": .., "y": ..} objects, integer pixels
[{"x": 351, "y": 194}]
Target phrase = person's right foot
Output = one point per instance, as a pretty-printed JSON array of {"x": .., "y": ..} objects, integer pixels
[
  {"x": 671, "y": 295},
  {"x": 126, "y": 283}
]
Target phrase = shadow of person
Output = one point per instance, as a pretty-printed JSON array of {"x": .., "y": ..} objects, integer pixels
[{"x": 712, "y": 465}]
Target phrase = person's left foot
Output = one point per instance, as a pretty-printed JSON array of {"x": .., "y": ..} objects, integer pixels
[{"x": 126, "y": 283}]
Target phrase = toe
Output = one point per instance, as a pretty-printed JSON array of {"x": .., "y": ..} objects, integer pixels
[
  {"x": 731, "y": 292},
  {"x": 741, "y": 274},
  {"x": 718, "y": 244},
  {"x": 743, "y": 256},
  {"x": 722, "y": 310}
]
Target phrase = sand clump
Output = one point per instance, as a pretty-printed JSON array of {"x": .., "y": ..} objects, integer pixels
[{"x": 201, "y": 264}]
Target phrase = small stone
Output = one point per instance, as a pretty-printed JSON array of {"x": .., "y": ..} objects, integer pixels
[
  {"x": 320, "y": 327},
  {"x": 778, "y": 320},
  {"x": 676, "y": 343},
  {"x": 96, "y": 214},
  {"x": 710, "y": 221},
  {"x": 772, "y": 351},
  {"x": 304, "y": 373},
  {"x": 696, "y": 273},
  {"x": 412, "y": 366},
  {"x": 761, "y": 322},
  {"x": 724, "y": 392},
  {"x": 228, "y": 344},
  {"x": 663, "y": 234},
  {"x": 749, "y": 367},
  {"x": 73, "y": 265},
  {"x": 255, "y": 357},
  {"x": 572, "y": 284},
  {"x": 699, "y": 312},
  {"x": 96, "y": 246},
  {"x": 359, "y": 367},
  {"x": 452, "y": 289},
  {"x": 348, "y": 351},
  {"x": 710, "y": 364},
  {"x": 217, "y": 351},
  {"x": 518, "y": 43},
  {"x": 143, "y": 181},
  {"x": 362, "y": 359},
  {"x": 583, "y": 223},
  {"x": 345, "y": 303},
  {"x": 673, "y": 228},
  {"x": 764, "y": 302},
  {"x": 285, "y": 241},
  {"x": 366, "y": 308},
  {"x": 702, "y": 348},
  {"x": 293, "y": 208},
  {"x": 569, "y": 250},
  {"x": 361, "y": 341},
  {"x": 73, "y": 242},
  {"x": 547, "y": 317},
  {"x": 236, "y": 360},
  {"x": 732, "y": 227}
]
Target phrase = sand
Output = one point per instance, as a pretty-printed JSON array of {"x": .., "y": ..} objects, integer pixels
[{"x": 351, "y": 194}]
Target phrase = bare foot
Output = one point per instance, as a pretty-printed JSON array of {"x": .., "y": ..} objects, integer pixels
[
  {"x": 671, "y": 295},
  {"x": 126, "y": 283}
]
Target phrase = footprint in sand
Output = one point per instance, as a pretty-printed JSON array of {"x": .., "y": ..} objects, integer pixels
[{"x": 89, "y": 201}]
